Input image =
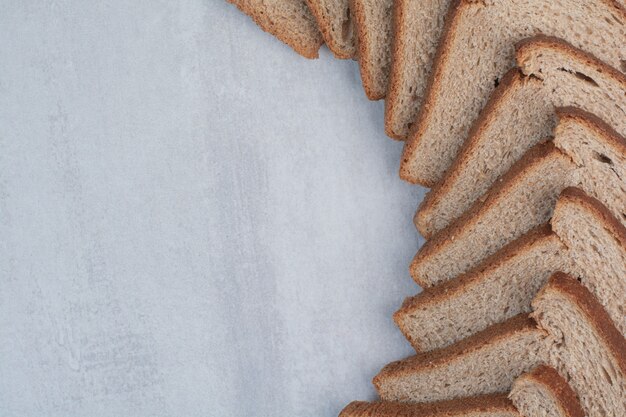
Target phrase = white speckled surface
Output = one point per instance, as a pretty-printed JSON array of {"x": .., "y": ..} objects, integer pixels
[{"x": 194, "y": 221}]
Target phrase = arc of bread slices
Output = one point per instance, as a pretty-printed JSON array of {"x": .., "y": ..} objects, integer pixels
[
  {"x": 335, "y": 22},
  {"x": 290, "y": 21},
  {"x": 584, "y": 240},
  {"x": 470, "y": 61},
  {"x": 416, "y": 31},
  {"x": 372, "y": 23},
  {"x": 525, "y": 196},
  {"x": 520, "y": 113},
  {"x": 488, "y": 362},
  {"x": 543, "y": 392},
  {"x": 495, "y": 405},
  {"x": 585, "y": 347}
]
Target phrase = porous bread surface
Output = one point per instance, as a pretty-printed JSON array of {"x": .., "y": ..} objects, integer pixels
[
  {"x": 290, "y": 21},
  {"x": 494, "y": 405},
  {"x": 523, "y": 199},
  {"x": 544, "y": 393},
  {"x": 471, "y": 60},
  {"x": 496, "y": 290},
  {"x": 597, "y": 165},
  {"x": 585, "y": 347},
  {"x": 334, "y": 20},
  {"x": 485, "y": 363},
  {"x": 416, "y": 31},
  {"x": 520, "y": 113},
  {"x": 597, "y": 244},
  {"x": 372, "y": 23}
]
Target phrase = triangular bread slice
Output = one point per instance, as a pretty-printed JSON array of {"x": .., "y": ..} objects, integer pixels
[
  {"x": 525, "y": 196},
  {"x": 544, "y": 393},
  {"x": 290, "y": 21},
  {"x": 335, "y": 22},
  {"x": 372, "y": 24},
  {"x": 495, "y": 405},
  {"x": 417, "y": 26},
  {"x": 585, "y": 347},
  {"x": 520, "y": 113},
  {"x": 505, "y": 284},
  {"x": 485, "y": 363},
  {"x": 477, "y": 48}
]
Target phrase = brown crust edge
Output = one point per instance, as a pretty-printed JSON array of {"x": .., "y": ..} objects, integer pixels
[
  {"x": 434, "y": 358},
  {"x": 482, "y": 403},
  {"x": 310, "y": 52},
  {"x": 595, "y": 312},
  {"x": 535, "y": 155},
  {"x": 329, "y": 39},
  {"x": 594, "y": 123},
  {"x": 562, "y": 394},
  {"x": 362, "y": 39},
  {"x": 461, "y": 283}
]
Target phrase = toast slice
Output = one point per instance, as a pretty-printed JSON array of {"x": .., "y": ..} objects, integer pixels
[
  {"x": 417, "y": 27},
  {"x": 519, "y": 114},
  {"x": 372, "y": 24},
  {"x": 485, "y": 363},
  {"x": 496, "y": 405},
  {"x": 290, "y": 21},
  {"x": 525, "y": 196},
  {"x": 585, "y": 347},
  {"x": 471, "y": 60},
  {"x": 597, "y": 242},
  {"x": 335, "y": 22},
  {"x": 544, "y": 393},
  {"x": 505, "y": 284}
]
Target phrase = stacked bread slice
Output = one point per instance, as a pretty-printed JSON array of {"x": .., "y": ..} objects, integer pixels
[{"x": 514, "y": 113}]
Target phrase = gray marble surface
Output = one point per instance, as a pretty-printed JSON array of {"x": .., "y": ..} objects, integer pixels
[{"x": 194, "y": 220}]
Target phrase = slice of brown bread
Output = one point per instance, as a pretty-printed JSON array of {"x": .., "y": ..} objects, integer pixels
[
  {"x": 505, "y": 284},
  {"x": 499, "y": 288},
  {"x": 525, "y": 196},
  {"x": 597, "y": 241},
  {"x": 335, "y": 21},
  {"x": 544, "y": 393},
  {"x": 372, "y": 23},
  {"x": 475, "y": 51},
  {"x": 495, "y": 405},
  {"x": 485, "y": 363},
  {"x": 417, "y": 27},
  {"x": 585, "y": 347},
  {"x": 290, "y": 21},
  {"x": 520, "y": 113}
]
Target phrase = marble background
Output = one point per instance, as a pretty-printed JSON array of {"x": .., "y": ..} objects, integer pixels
[{"x": 194, "y": 220}]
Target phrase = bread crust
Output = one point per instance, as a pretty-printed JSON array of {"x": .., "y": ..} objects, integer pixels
[
  {"x": 591, "y": 308},
  {"x": 310, "y": 51},
  {"x": 522, "y": 323},
  {"x": 562, "y": 394},
  {"x": 535, "y": 155},
  {"x": 451, "y": 408},
  {"x": 323, "y": 24}
]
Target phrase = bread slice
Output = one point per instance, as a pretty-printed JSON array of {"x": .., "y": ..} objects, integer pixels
[
  {"x": 290, "y": 21},
  {"x": 585, "y": 347},
  {"x": 334, "y": 20},
  {"x": 597, "y": 242},
  {"x": 471, "y": 60},
  {"x": 544, "y": 393},
  {"x": 499, "y": 288},
  {"x": 417, "y": 27},
  {"x": 372, "y": 24},
  {"x": 519, "y": 114},
  {"x": 505, "y": 284},
  {"x": 485, "y": 363},
  {"x": 495, "y": 405},
  {"x": 525, "y": 196}
]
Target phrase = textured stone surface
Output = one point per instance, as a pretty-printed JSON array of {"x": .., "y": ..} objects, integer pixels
[{"x": 194, "y": 220}]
